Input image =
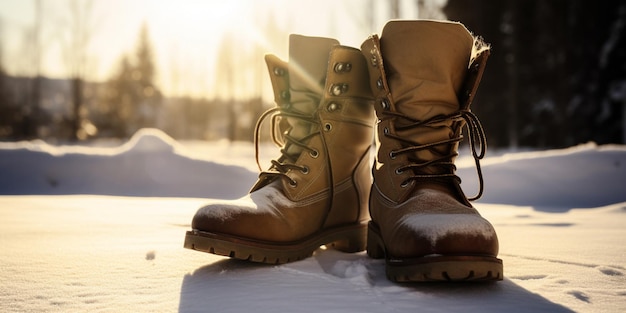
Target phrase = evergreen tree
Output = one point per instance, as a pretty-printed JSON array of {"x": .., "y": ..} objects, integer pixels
[
  {"x": 556, "y": 75},
  {"x": 144, "y": 74},
  {"x": 144, "y": 67},
  {"x": 133, "y": 99}
]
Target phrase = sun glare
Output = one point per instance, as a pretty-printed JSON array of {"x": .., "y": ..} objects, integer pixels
[{"x": 186, "y": 35}]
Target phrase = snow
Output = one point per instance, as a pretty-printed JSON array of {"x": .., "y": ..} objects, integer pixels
[
  {"x": 437, "y": 226},
  {"x": 265, "y": 200},
  {"x": 101, "y": 228},
  {"x": 150, "y": 164},
  {"x": 584, "y": 176}
]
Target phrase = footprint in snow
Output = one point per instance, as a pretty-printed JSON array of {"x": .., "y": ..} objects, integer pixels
[
  {"x": 610, "y": 271},
  {"x": 580, "y": 295},
  {"x": 529, "y": 277}
]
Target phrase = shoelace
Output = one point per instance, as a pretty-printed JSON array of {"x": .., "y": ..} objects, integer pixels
[
  {"x": 286, "y": 161},
  {"x": 476, "y": 136}
]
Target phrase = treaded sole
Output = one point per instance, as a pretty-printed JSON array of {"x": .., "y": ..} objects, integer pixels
[
  {"x": 434, "y": 268},
  {"x": 350, "y": 238},
  {"x": 445, "y": 269}
]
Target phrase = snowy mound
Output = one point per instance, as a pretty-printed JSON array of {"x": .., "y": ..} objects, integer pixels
[
  {"x": 150, "y": 164},
  {"x": 150, "y": 140},
  {"x": 153, "y": 164},
  {"x": 584, "y": 176},
  {"x": 92, "y": 253}
]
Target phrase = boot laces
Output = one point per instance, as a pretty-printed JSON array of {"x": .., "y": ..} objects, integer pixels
[
  {"x": 286, "y": 161},
  {"x": 477, "y": 144}
]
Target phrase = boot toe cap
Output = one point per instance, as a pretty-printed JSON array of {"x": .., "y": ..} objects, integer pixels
[
  {"x": 419, "y": 235},
  {"x": 264, "y": 215},
  {"x": 211, "y": 217},
  {"x": 242, "y": 217}
]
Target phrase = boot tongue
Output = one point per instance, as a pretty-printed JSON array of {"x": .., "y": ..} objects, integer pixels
[
  {"x": 426, "y": 63},
  {"x": 308, "y": 62}
]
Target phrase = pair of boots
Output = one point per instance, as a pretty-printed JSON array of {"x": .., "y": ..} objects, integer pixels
[{"x": 415, "y": 84}]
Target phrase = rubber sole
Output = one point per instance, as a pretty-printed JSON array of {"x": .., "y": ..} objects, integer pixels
[
  {"x": 350, "y": 238},
  {"x": 438, "y": 268}
]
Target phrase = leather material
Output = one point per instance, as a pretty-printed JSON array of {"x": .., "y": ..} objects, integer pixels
[
  {"x": 420, "y": 70},
  {"x": 331, "y": 186},
  {"x": 308, "y": 59},
  {"x": 431, "y": 222}
]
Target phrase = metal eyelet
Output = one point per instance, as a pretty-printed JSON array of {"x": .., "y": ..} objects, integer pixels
[
  {"x": 476, "y": 67},
  {"x": 279, "y": 71},
  {"x": 399, "y": 171},
  {"x": 328, "y": 127},
  {"x": 386, "y": 130},
  {"x": 331, "y": 107},
  {"x": 338, "y": 89},
  {"x": 392, "y": 155},
  {"x": 342, "y": 67},
  {"x": 384, "y": 103},
  {"x": 285, "y": 94},
  {"x": 379, "y": 83},
  {"x": 405, "y": 184},
  {"x": 293, "y": 183},
  {"x": 304, "y": 170},
  {"x": 314, "y": 154}
]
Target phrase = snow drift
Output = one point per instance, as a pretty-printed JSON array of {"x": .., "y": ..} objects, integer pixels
[
  {"x": 72, "y": 242},
  {"x": 153, "y": 164},
  {"x": 149, "y": 164}
]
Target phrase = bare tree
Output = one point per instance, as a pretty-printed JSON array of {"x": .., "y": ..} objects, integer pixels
[
  {"x": 225, "y": 84},
  {"x": 394, "y": 7},
  {"x": 76, "y": 54},
  {"x": 432, "y": 10},
  {"x": 8, "y": 112},
  {"x": 37, "y": 49},
  {"x": 28, "y": 90}
]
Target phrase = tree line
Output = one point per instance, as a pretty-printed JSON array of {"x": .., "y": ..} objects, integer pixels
[
  {"x": 34, "y": 106},
  {"x": 557, "y": 73},
  {"x": 76, "y": 109},
  {"x": 556, "y": 77}
]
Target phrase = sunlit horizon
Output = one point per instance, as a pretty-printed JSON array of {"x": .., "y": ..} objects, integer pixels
[{"x": 185, "y": 35}]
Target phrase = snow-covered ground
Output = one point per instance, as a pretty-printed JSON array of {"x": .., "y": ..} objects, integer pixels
[{"x": 100, "y": 229}]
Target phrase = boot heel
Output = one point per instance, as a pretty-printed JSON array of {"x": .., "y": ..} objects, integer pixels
[
  {"x": 354, "y": 241},
  {"x": 375, "y": 245}
]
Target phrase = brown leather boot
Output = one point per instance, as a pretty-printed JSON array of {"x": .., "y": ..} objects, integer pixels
[
  {"x": 424, "y": 75},
  {"x": 316, "y": 192}
]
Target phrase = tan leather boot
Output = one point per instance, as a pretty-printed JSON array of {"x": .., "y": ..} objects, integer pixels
[
  {"x": 316, "y": 192},
  {"x": 424, "y": 76}
]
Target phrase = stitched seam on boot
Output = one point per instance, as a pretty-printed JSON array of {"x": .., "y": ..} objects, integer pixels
[{"x": 383, "y": 198}]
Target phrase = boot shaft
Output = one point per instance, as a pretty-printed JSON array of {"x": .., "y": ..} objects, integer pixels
[
  {"x": 425, "y": 64},
  {"x": 337, "y": 131},
  {"x": 420, "y": 74},
  {"x": 308, "y": 59},
  {"x": 316, "y": 192}
]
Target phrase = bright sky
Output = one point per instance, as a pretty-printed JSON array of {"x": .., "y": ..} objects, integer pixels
[{"x": 185, "y": 33}]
